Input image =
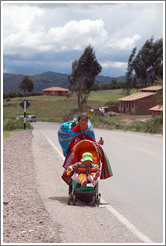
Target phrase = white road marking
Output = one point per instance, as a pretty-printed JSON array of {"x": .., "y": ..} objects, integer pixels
[
  {"x": 112, "y": 210},
  {"x": 126, "y": 222},
  {"x": 53, "y": 145}
]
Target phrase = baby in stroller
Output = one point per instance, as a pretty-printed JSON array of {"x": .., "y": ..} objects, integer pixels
[{"x": 85, "y": 170}]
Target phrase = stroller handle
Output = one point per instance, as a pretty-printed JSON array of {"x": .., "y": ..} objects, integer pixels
[{"x": 87, "y": 170}]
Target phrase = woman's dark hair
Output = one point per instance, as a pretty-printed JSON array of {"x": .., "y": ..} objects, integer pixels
[{"x": 81, "y": 115}]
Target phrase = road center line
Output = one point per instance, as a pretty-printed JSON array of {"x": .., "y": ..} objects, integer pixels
[
  {"x": 112, "y": 210},
  {"x": 150, "y": 153}
]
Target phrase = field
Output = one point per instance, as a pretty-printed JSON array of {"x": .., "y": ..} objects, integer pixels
[
  {"x": 60, "y": 109},
  {"x": 54, "y": 108}
]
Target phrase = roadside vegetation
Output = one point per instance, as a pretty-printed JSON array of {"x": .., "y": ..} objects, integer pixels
[{"x": 60, "y": 109}]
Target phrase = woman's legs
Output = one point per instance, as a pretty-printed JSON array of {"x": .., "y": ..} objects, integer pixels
[{"x": 70, "y": 189}]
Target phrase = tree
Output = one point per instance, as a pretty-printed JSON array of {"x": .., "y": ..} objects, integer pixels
[
  {"x": 26, "y": 84},
  {"x": 148, "y": 64},
  {"x": 82, "y": 78},
  {"x": 159, "y": 94},
  {"x": 129, "y": 78}
]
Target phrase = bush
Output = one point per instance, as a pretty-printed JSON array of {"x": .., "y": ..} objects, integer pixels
[
  {"x": 8, "y": 99},
  {"x": 11, "y": 94},
  {"x": 154, "y": 125},
  {"x": 12, "y": 124},
  {"x": 136, "y": 126}
]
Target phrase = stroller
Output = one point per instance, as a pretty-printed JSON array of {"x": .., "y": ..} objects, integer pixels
[{"x": 89, "y": 193}]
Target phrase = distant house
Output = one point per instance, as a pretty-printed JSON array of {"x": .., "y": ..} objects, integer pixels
[
  {"x": 140, "y": 103},
  {"x": 56, "y": 91},
  {"x": 156, "y": 110}
]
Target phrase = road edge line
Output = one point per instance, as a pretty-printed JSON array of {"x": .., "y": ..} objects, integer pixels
[
  {"x": 126, "y": 222},
  {"x": 112, "y": 210}
]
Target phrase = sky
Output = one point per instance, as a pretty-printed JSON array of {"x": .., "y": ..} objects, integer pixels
[{"x": 49, "y": 36}]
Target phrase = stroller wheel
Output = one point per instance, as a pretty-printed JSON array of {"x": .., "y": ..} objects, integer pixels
[
  {"x": 98, "y": 200},
  {"x": 94, "y": 201}
]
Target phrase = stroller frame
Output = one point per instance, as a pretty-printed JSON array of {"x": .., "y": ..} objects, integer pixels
[
  {"x": 85, "y": 196},
  {"x": 90, "y": 193}
]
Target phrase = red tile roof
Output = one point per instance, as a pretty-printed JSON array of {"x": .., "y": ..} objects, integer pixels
[
  {"x": 157, "y": 108},
  {"x": 55, "y": 89},
  {"x": 137, "y": 96},
  {"x": 152, "y": 88}
]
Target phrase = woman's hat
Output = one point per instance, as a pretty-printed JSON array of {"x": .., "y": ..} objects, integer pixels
[{"x": 87, "y": 156}]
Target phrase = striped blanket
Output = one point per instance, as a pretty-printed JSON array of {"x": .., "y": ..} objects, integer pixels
[
  {"x": 106, "y": 170},
  {"x": 66, "y": 135}
]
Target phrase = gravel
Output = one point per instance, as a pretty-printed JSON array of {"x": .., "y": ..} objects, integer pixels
[{"x": 25, "y": 219}]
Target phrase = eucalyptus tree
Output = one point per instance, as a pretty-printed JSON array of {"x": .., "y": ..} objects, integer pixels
[
  {"x": 148, "y": 63},
  {"x": 129, "y": 74},
  {"x": 84, "y": 71}
]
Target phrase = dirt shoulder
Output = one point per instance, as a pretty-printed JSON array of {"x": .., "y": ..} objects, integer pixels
[{"x": 25, "y": 219}]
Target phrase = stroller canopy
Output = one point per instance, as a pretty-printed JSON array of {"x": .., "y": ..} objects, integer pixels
[{"x": 86, "y": 146}]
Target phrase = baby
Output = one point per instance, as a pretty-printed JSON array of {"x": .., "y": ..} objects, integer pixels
[{"x": 83, "y": 178}]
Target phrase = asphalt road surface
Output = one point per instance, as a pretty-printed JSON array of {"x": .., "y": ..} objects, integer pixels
[{"x": 131, "y": 209}]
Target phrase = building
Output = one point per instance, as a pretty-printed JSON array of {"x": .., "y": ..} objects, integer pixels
[
  {"x": 56, "y": 91},
  {"x": 140, "y": 103},
  {"x": 156, "y": 110}
]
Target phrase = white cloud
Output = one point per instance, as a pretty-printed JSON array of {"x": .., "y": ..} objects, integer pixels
[
  {"x": 18, "y": 18},
  {"x": 108, "y": 64},
  {"x": 32, "y": 30},
  {"x": 76, "y": 34},
  {"x": 22, "y": 30},
  {"x": 126, "y": 43}
]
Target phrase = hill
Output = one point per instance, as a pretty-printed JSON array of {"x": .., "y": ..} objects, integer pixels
[{"x": 47, "y": 79}]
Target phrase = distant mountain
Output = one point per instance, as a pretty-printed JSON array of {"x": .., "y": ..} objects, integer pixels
[
  {"x": 101, "y": 79},
  {"x": 47, "y": 79}
]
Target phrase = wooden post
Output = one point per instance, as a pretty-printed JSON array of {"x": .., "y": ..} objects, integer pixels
[{"x": 24, "y": 114}]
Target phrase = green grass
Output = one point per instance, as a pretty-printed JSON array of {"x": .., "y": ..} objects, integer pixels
[
  {"x": 59, "y": 109},
  {"x": 6, "y": 134},
  {"x": 54, "y": 108},
  {"x": 106, "y": 95}
]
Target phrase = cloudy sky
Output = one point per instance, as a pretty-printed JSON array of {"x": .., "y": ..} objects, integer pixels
[{"x": 49, "y": 36}]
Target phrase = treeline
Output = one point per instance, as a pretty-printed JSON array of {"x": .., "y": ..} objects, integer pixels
[
  {"x": 117, "y": 85},
  {"x": 109, "y": 86},
  {"x": 12, "y": 94}
]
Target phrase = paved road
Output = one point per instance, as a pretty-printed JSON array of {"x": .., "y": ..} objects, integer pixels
[{"x": 131, "y": 210}]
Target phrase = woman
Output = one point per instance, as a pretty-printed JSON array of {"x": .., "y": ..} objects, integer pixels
[
  {"x": 81, "y": 128},
  {"x": 69, "y": 134}
]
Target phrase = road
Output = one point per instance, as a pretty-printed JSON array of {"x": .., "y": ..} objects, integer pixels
[{"x": 131, "y": 209}]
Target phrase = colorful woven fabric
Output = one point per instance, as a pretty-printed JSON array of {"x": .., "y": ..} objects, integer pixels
[
  {"x": 106, "y": 170},
  {"x": 66, "y": 178},
  {"x": 66, "y": 135}
]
